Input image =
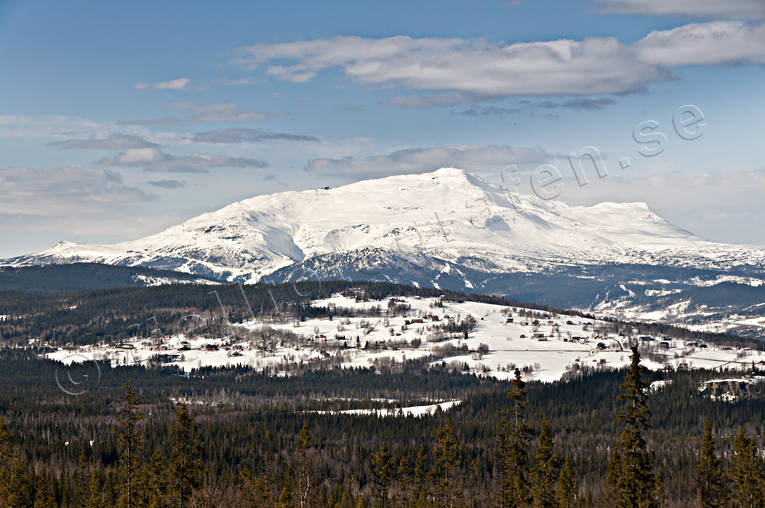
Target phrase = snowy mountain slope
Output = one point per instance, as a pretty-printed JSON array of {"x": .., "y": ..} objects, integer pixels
[
  {"x": 447, "y": 218},
  {"x": 450, "y": 229}
]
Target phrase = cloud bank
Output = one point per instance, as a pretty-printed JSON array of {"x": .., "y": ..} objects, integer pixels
[
  {"x": 422, "y": 160},
  {"x": 457, "y": 71},
  {"x": 155, "y": 160}
]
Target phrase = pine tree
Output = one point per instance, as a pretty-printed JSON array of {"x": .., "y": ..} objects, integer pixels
[
  {"x": 286, "y": 496},
  {"x": 304, "y": 477},
  {"x": 19, "y": 492},
  {"x": 403, "y": 474},
  {"x": 156, "y": 481},
  {"x": 256, "y": 491},
  {"x": 6, "y": 459},
  {"x": 81, "y": 477},
  {"x": 185, "y": 466},
  {"x": 446, "y": 465},
  {"x": 748, "y": 478},
  {"x": 630, "y": 471},
  {"x": 545, "y": 470},
  {"x": 95, "y": 496},
  {"x": 710, "y": 477},
  {"x": 130, "y": 441},
  {"x": 44, "y": 491},
  {"x": 15, "y": 487},
  {"x": 566, "y": 493},
  {"x": 382, "y": 471},
  {"x": 513, "y": 436},
  {"x": 421, "y": 479}
]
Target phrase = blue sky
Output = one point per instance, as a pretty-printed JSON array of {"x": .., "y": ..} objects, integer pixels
[{"x": 116, "y": 122}]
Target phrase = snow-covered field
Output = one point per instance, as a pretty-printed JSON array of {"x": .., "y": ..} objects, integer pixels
[
  {"x": 545, "y": 346},
  {"x": 416, "y": 411}
]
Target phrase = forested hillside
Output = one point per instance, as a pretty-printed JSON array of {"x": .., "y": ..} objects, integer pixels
[{"x": 259, "y": 440}]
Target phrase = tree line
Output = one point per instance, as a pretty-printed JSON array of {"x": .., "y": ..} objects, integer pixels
[{"x": 174, "y": 466}]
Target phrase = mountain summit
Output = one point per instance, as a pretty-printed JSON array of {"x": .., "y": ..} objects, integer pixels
[{"x": 448, "y": 215}]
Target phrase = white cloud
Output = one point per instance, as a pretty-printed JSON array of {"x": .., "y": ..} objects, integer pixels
[
  {"x": 174, "y": 84},
  {"x": 421, "y": 160},
  {"x": 113, "y": 142},
  {"x": 716, "y": 42},
  {"x": 154, "y": 159},
  {"x": 239, "y": 81},
  {"x": 63, "y": 191},
  {"x": 224, "y": 112},
  {"x": 454, "y": 71},
  {"x": 698, "y": 8},
  {"x": 470, "y": 68}
]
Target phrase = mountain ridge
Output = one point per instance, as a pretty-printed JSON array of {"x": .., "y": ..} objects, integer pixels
[{"x": 446, "y": 214}]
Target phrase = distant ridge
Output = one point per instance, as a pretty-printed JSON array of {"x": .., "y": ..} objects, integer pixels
[{"x": 87, "y": 276}]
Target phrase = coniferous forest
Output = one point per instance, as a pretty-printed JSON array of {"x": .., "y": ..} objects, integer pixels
[
  {"x": 157, "y": 436},
  {"x": 228, "y": 437}
]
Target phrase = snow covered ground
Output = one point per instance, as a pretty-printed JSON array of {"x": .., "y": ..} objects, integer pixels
[
  {"x": 417, "y": 411},
  {"x": 545, "y": 346}
]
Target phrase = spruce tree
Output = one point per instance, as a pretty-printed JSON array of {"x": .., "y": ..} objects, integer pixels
[
  {"x": 303, "y": 470},
  {"x": 95, "y": 496},
  {"x": 446, "y": 465},
  {"x": 404, "y": 473},
  {"x": 6, "y": 459},
  {"x": 513, "y": 436},
  {"x": 421, "y": 479},
  {"x": 382, "y": 471},
  {"x": 185, "y": 467},
  {"x": 630, "y": 470},
  {"x": 747, "y": 472},
  {"x": 81, "y": 477},
  {"x": 286, "y": 496},
  {"x": 156, "y": 481},
  {"x": 256, "y": 491},
  {"x": 711, "y": 484},
  {"x": 44, "y": 497},
  {"x": 19, "y": 491},
  {"x": 565, "y": 495},
  {"x": 130, "y": 442},
  {"x": 545, "y": 470}
]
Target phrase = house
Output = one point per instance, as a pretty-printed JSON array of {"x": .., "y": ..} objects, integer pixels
[
  {"x": 509, "y": 320},
  {"x": 664, "y": 344}
]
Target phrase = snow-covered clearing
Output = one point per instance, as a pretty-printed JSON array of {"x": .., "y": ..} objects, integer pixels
[
  {"x": 545, "y": 346},
  {"x": 416, "y": 411}
]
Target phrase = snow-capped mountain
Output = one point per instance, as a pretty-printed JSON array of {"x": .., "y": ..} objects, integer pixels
[{"x": 448, "y": 228}]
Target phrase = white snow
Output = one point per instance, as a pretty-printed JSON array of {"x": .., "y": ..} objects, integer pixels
[
  {"x": 416, "y": 411},
  {"x": 410, "y": 214},
  {"x": 547, "y": 351}
]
